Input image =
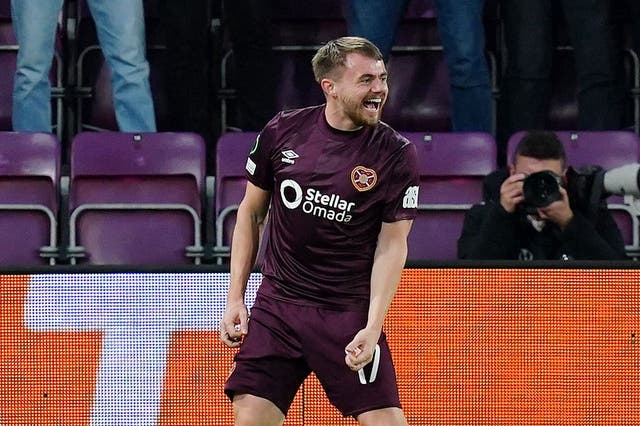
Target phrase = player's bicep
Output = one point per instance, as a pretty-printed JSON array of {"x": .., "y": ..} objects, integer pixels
[
  {"x": 395, "y": 233},
  {"x": 255, "y": 203}
]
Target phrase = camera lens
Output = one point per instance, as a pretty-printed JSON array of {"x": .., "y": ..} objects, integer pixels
[{"x": 541, "y": 189}]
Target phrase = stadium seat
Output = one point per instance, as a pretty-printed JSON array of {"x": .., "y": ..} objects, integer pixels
[
  {"x": 136, "y": 198},
  {"x": 419, "y": 92},
  {"x": 231, "y": 158},
  {"x": 452, "y": 168},
  {"x": 29, "y": 184},
  {"x": 607, "y": 149}
]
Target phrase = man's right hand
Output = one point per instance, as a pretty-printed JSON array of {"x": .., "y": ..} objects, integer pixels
[
  {"x": 234, "y": 324},
  {"x": 511, "y": 192}
]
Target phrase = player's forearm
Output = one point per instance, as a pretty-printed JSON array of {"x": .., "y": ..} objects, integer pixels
[
  {"x": 385, "y": 276},
  {"x": 244, "y": 249}
]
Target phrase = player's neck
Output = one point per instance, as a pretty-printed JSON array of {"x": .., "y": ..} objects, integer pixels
[{"x": 336, "y": 119}]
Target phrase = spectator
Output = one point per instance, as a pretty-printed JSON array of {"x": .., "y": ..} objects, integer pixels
[
  {"x": 120, "y": 26},
  {"x": 333, "y": 260},
  {"x": 509, "y": 225},
  {"x": 462, "y": 34},
  {"x": 529, "y": 42}
]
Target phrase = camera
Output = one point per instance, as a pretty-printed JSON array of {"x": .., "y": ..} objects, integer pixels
[
  {"x": 540, "y": 189},
  {"x": 586, "y": 186}
]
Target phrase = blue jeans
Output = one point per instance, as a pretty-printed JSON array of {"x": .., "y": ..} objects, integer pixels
[
  {"x": 120, "y": 27},
  {"x": 462, "y": 34}
]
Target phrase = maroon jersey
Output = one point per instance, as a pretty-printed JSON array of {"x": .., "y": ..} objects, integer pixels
[{"x": 331, "y": 191}]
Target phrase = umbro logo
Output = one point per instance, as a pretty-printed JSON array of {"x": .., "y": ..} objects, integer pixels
[{"x": 289, "y": 156}]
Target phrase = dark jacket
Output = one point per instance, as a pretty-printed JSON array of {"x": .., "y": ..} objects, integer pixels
[{"x": 490, "y": 232}]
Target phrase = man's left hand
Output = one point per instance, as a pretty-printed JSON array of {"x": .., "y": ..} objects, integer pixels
[
  {"x": 559, "y": 211},
  {"x": 359, "y": 352}
]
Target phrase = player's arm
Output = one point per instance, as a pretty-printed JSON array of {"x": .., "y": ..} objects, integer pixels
[
  {"x": 244, "y": 248},
  {"x": 388, "y": 262}
]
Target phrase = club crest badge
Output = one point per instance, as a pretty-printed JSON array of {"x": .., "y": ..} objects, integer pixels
[{"x": 363, "y": 179}]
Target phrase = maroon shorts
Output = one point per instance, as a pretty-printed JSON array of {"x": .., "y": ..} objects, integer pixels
[{"x": 287, "y": 341}]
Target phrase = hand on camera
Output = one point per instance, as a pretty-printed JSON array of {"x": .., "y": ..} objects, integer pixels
[
  {"x": 559, "y": 211},
  {"x": 511, "y": 192}
]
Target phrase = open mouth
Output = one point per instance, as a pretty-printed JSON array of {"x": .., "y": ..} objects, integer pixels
[{"x": 372, "y": 104}]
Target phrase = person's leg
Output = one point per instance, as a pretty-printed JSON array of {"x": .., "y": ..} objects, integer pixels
[
  {"x": 120, "y": 27},
  {"x": 34, "y": 23},
  {"x": 269, "y": 367},
  {"x": 600, "y": 96},
  {"x": 528, "y": 36},
  {"x": 371, "y": 394},
  {"x": 386, "y": 416},
  {"x": 250, "y": 410},
  {"x": 462, "y": 34},
  {"x": 375, "y": 20}
]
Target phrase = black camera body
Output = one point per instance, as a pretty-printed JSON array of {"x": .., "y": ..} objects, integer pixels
[
  {"x": 540, "y": 189},
  {"x": 585, "y": 188}
]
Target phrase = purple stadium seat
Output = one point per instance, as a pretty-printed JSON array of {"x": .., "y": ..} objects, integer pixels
[
  {"x": 605, "y": 148},
  {"x": 231, "y": 158},
  {"x": 136, "y": 198},
  {"x": 29, "y": 182},
  {"x": 419, "y": 92},
  {"x": 452, "y": 168},
  {"x": 608, "y": 149}
]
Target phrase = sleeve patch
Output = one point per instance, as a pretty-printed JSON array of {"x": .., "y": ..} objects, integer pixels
[
  {"x": 251, "y": 166},
  {"x": 410, "y": 200}
]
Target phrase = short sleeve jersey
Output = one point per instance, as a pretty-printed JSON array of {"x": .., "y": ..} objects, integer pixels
[{"x": 331, "y": 191}]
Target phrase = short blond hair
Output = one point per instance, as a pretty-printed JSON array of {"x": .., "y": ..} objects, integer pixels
[{"x": 333, "y": 55}]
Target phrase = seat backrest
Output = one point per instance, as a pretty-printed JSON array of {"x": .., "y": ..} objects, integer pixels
[
  {"x": 452, "y": 168},
  {"x": 419, "y": 92},
  {"x": 153, "y": 184},
  {"x": 29, "y": 182},
  {"x": 232, "y": 151},
  {"x": 605, "y": 148}
]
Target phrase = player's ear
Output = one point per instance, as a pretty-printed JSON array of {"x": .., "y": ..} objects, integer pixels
[{"x": 328, "y": 87}]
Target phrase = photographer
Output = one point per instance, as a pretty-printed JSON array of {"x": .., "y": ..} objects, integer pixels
[{"x": 528, "y": 215}]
